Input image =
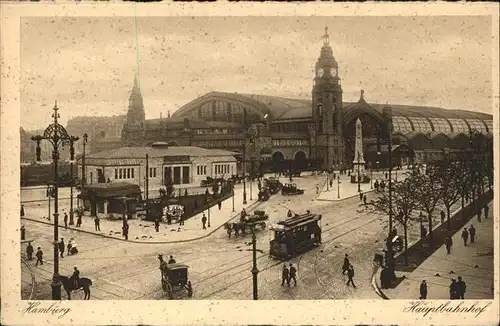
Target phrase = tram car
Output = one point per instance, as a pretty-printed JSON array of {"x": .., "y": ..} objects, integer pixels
[{"x": 295, "y": 235}]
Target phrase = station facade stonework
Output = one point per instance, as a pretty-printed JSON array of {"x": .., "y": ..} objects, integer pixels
[{"x": 317, "y": 133}]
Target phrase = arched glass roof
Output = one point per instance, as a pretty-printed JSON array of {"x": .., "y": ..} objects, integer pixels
[
  {"x": 489, "y": 124},
  {"x": 401, "y": 124},
  {"x": 478, "y": 125},
  {"x": 421, "y": 124},
  {"x": 459, "y": 125},
  {"x": 440, "y": 125}
]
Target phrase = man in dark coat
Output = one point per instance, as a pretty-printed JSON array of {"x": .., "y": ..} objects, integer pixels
[
  {"x": 204, "y": 221},
  {"x": 465, "y": 236},
  {"x": 350, "y": 275},
  {"x": 285, "y": 276},
  {"x": 472, "y": 232},
  {"x": 62, "y": 247},
  {"x": 157, "y": 225},
  {"x": 29, "y": 251},
  {"x": 423, "y": 290},
  {"x": 486, "y": 211},
  {"x": 360, "y": 195},
  {"x": 171, "y": 260},
  {"x": 76, "y": 278},
  {"x": 443, "y": 215},
  {"x": 364, "y": 199},
  {"x": 181, "y": 219},
  {"x": 39, "y": 256},
  {"x": 97, "y": 223},
  {"x": 219, "y": 204},
  {"x": 293, "y": 275},
  {"x": 345, "y": 266},
  {"x": 79, "y": 220},
  {"x": 448, "y": 243},
  {"x": 22, "y": 210},
  {"x": 461, "y": 286},
  {"x": 125, "y": 230},
  {"x": 65, "y": 220},
  {"x": 453, "y": 289}
]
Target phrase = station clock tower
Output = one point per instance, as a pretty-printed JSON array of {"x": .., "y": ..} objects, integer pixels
[{"x": 327, "y": 108}]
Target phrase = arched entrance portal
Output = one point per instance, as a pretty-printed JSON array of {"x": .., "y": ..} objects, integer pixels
[
  {"x": 301, "y": 162},
  {"x": 373, "y": 138},
  {"x": 278, "y": 161}
]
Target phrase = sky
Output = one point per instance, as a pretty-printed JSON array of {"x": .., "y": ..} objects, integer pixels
[{"x": 88, "y": 64}]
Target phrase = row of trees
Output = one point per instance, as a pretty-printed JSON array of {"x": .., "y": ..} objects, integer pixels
[{"x": 460, "y": 176}]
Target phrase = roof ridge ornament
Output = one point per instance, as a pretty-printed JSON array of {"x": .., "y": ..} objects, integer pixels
[{"x": 326, "y": 37}]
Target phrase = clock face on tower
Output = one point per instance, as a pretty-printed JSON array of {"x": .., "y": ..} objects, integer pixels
[
  {"x": 333, "y": 72},
  {"x": 320, "y": 72}
]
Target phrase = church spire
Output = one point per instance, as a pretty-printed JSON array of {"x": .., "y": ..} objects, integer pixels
[{"x": 135, "y": 112}]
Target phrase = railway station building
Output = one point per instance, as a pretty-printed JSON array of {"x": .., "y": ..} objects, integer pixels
[{"x": 317, "y": 133}]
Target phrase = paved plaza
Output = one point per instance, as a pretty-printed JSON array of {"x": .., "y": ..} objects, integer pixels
[{"x": 220, "y": 267}]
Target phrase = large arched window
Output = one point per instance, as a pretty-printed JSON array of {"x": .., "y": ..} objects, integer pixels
[
  {"x": 459, "y": 125},
  {"x": 421, "y": 124},
  {"x": 478, "y": 125},
  {"x": 441, "y": 125},
  {"x": 401, "y": 124},
  {"x": 489, "y": 124}
]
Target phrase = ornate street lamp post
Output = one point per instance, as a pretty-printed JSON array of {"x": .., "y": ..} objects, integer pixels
[
  {"x": 84, "y": 175},
  {"x": 57, "y": 135},
  {"x": 71, "y": 214},
  {"x": 255, "y": 270}
]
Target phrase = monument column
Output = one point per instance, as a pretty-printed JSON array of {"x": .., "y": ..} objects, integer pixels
[{"x": 359, "y": 160}]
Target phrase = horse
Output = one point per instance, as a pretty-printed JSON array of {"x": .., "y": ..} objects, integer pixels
[
  {"x": 228, "y": 228},
  {"x": 83, "y": 282}
]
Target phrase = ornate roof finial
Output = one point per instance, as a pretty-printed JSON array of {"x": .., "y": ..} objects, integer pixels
[
  {"x": 362, "y": 97},
  {"x": 326, "y": 38}
]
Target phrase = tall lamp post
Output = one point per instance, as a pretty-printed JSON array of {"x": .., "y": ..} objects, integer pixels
[
  {"x": 57, "y": 135},
  {"x": 255, "y": 270},
  {"x": 371, "y": 175},
  {"x": 338, "y": 188},
  {"x": 84, "y": 175},
  {"x": 71, "y": 219},
  {"x": 251, "y": 177}
]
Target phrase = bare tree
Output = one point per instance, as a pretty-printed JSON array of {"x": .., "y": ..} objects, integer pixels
[
  {"x": 404, "y": 203},
  {"x": 448, "y": 174},
  {"x": 428, "y": 192}
]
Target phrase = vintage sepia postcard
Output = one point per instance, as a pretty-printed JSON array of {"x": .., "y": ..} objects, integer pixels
[{"x": 209, "y": 164}]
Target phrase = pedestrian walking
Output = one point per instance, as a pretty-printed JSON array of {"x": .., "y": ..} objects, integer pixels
[
  {"x": 453, "y": 289},
  {"x": 317, "y": 189},
  {"x": 465, "y": 236},
  {"x": 350, "y": 275},
  {"x": 125, "y": 229},
  {"x": 29, "y": 251},
  {"x": 486, "y": 211},
  {"x": 65, "y": 220},
  {"x": 423, "y": 290},
  {"x": 79, "y": 220},
  {"x": 285, "y": 276},
  {"x": 345, "y": 266},
  {"x": 181, "y": 219},
  {"x": 461, "y": 287},
  {"x": 204, "y": 221},
  {"x": 386, "y": 175},
  {"x": 157, "y": 225},
  {"x": 97, "y": 223},
  {"x": 360, "y": 195},
  {"x": 443, "y": 215},
  {"x": 22, "y": 211},
  {"x": 219, "y": 204},
  {"x": 448, "y": 243},
  {"x": 331, "y": 181},
  {"x": 39, "y": 256},
  {"x": 364, "y": 200},
  {"x": 62, "y": 247},
  {"x": 293, "y": 275},
  {"x": 472, "y": 233}
]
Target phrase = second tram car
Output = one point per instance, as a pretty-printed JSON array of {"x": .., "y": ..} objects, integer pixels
[{"x": 295, "y": 235}]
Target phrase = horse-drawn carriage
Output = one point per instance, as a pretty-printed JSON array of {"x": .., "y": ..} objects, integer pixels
[
  {"x": 174, "y": 278},
  {"x": 291, "y": 189},
  {"x": 247, "y": 222}
]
